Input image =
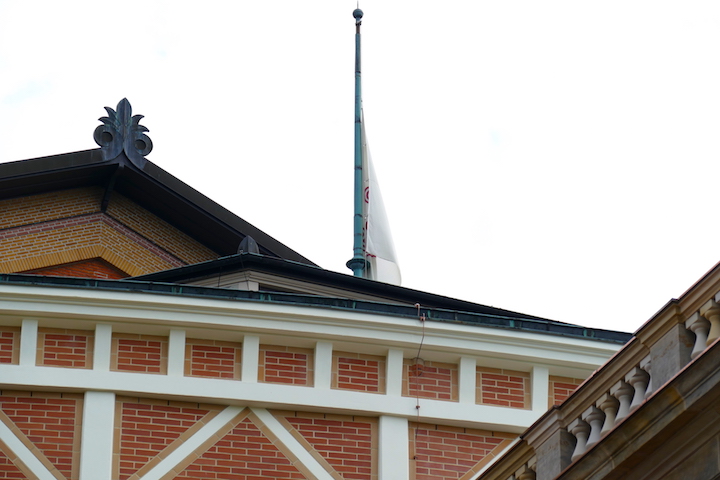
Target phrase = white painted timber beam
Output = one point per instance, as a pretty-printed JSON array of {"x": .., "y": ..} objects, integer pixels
[
  {"x": 250, "y": 358},
  {"x": 28, "y": 342},
  {"x": 393, "y": 448},
  {"x": 290, "y": 443},
  {"x": 540, "y": 385},
  {"x": 96, "y": 443},
  {"x": 102, "y": 348},
  {"x": 323, "y": 365},
  {"x": 277, "y": 396},
  {"x": 23, "y": 453},
  {"x": 188, "y": 447},
  {"x": 176, "y": 353}
]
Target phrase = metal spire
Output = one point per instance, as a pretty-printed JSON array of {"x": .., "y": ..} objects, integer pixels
[{"x": 358, "y": 264}]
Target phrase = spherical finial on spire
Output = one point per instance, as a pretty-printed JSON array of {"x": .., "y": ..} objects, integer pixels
[{"x": 357, "y": 14}]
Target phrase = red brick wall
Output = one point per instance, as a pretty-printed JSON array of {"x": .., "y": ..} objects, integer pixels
[
  {"x": 51, "y": 421},
  {"x": 91, "y": 268},
  {"x": 9, "y": 345},
  {"x": 561, "y": 388},
  {"x": 213, "y": 359},
  {"x": 242, "y": 454},
  {"x": 345, "y": 442},
  {"x": 9, "y": 470},
  {"x": 148, "y": 426},
  {"x": 432, "y": 380},
  {"x": 447, "y": 453},
  {"x": 358, "y": 372},
  {"x": 65, "y": 348},
  {"x": 139, "y": 353},
  {"x": 286, "y": 365},
  {"x": 504, "y": 388}
]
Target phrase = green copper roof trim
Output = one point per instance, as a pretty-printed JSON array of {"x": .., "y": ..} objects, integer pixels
[{"x": 394, "y": 310}]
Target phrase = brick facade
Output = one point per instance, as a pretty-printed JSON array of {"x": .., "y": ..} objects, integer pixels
[
  {"x": 65, "y": 348},
  {"x": 244, "y": 453},
  {"x": 358, "y": 372},
  {"x": 451, "y": 453},
  {"x": 48, "y": 230},
  {"x": 80, "y": 238},
  {"x": 212, "y": 359},
  {"x": 92, "y": 268},
  {"x": 561, "y": 388},
  {"x": 51, "y": 422},
  {"x": 139, "y": 353},
  {"x": 145, "y": 427},
  {"x": 8, "y": 469},
  {"x": 34, "y": 209},
  {"x": 9, "y": 345},
  {"x": 503, "y": 388},
  {"x": 158, "y": 231},
  {"x": 289, "y": 365},
  {"x": 432, "y": 380},
  {"x": 349, "y": 444}
]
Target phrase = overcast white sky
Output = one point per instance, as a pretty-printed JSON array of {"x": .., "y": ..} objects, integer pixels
[{"x": 558, "y": 158}]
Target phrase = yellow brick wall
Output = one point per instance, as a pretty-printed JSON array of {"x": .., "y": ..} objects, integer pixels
[
  {"x": 158, "y": 231},
  {"x": 15, "y": 212},
  {"x": 75, "y": 243},
  {"x": 55, "y": 228}
]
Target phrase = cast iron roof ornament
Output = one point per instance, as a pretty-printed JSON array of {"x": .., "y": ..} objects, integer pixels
[{"x": 120, "y": 132}]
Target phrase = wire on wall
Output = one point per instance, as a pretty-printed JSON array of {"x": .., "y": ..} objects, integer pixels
[{"x": 416, "y": 371}]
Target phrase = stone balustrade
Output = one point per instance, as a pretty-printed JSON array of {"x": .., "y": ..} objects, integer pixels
[
  {"x": 631, "y": 391},
  {"x": 526, "y": 471},
  {"x": 659, "y": 351},
  {"x": 700, "y": 326},
  {"x": 611, "y": 407}
]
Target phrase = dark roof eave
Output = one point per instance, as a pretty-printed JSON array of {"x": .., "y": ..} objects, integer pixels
[
  {"x": 432, "y": 314},
  {"x": 392, "y": 293},
  {"x": 84, "y": 168}
]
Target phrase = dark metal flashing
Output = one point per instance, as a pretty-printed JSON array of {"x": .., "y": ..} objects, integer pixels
[
  {"x": 432, "y": 314},
  {"x": 252, "y": 262},
  {"x": 152, "y": 188}
]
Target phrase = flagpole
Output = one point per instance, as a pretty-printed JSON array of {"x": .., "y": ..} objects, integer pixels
[{"x": 358, "y": 263}]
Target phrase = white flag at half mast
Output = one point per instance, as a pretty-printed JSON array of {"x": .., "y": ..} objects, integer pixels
[{"x": 378, "y": 243}]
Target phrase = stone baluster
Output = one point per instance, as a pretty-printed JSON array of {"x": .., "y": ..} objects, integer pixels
[
  {"x": 711, "y": 311},
  {"x": 623, "y": 392},
  {"x": 700, "y": 327},
  {"x": 527, "y": 471},
  {"x": 646, "y": 364},
  {"x": 639, "y": 380},
  {"x": 594, "y": 417},
  {"x": 609, "y": 405},
  {"x": 580, "y": 430}
]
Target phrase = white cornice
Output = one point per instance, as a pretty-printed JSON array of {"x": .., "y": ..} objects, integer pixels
[{"x": 143, "y": 312}]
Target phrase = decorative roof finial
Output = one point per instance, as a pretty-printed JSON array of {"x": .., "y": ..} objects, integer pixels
[
  {"x": 120, "y": 132},
  {"x": 248, "y": 245},
  {"x": 358, "y": 14}
]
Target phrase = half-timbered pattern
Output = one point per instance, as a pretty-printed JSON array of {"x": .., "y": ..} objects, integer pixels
[{"x": 148, "y": 333}]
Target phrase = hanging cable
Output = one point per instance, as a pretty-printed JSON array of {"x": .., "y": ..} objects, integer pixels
[{"x": 418, "y": 371}]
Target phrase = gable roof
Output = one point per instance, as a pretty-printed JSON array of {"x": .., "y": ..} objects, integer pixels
[
  {"x": 277, "y": 272},
  {"x": 150, "y": 187}
]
